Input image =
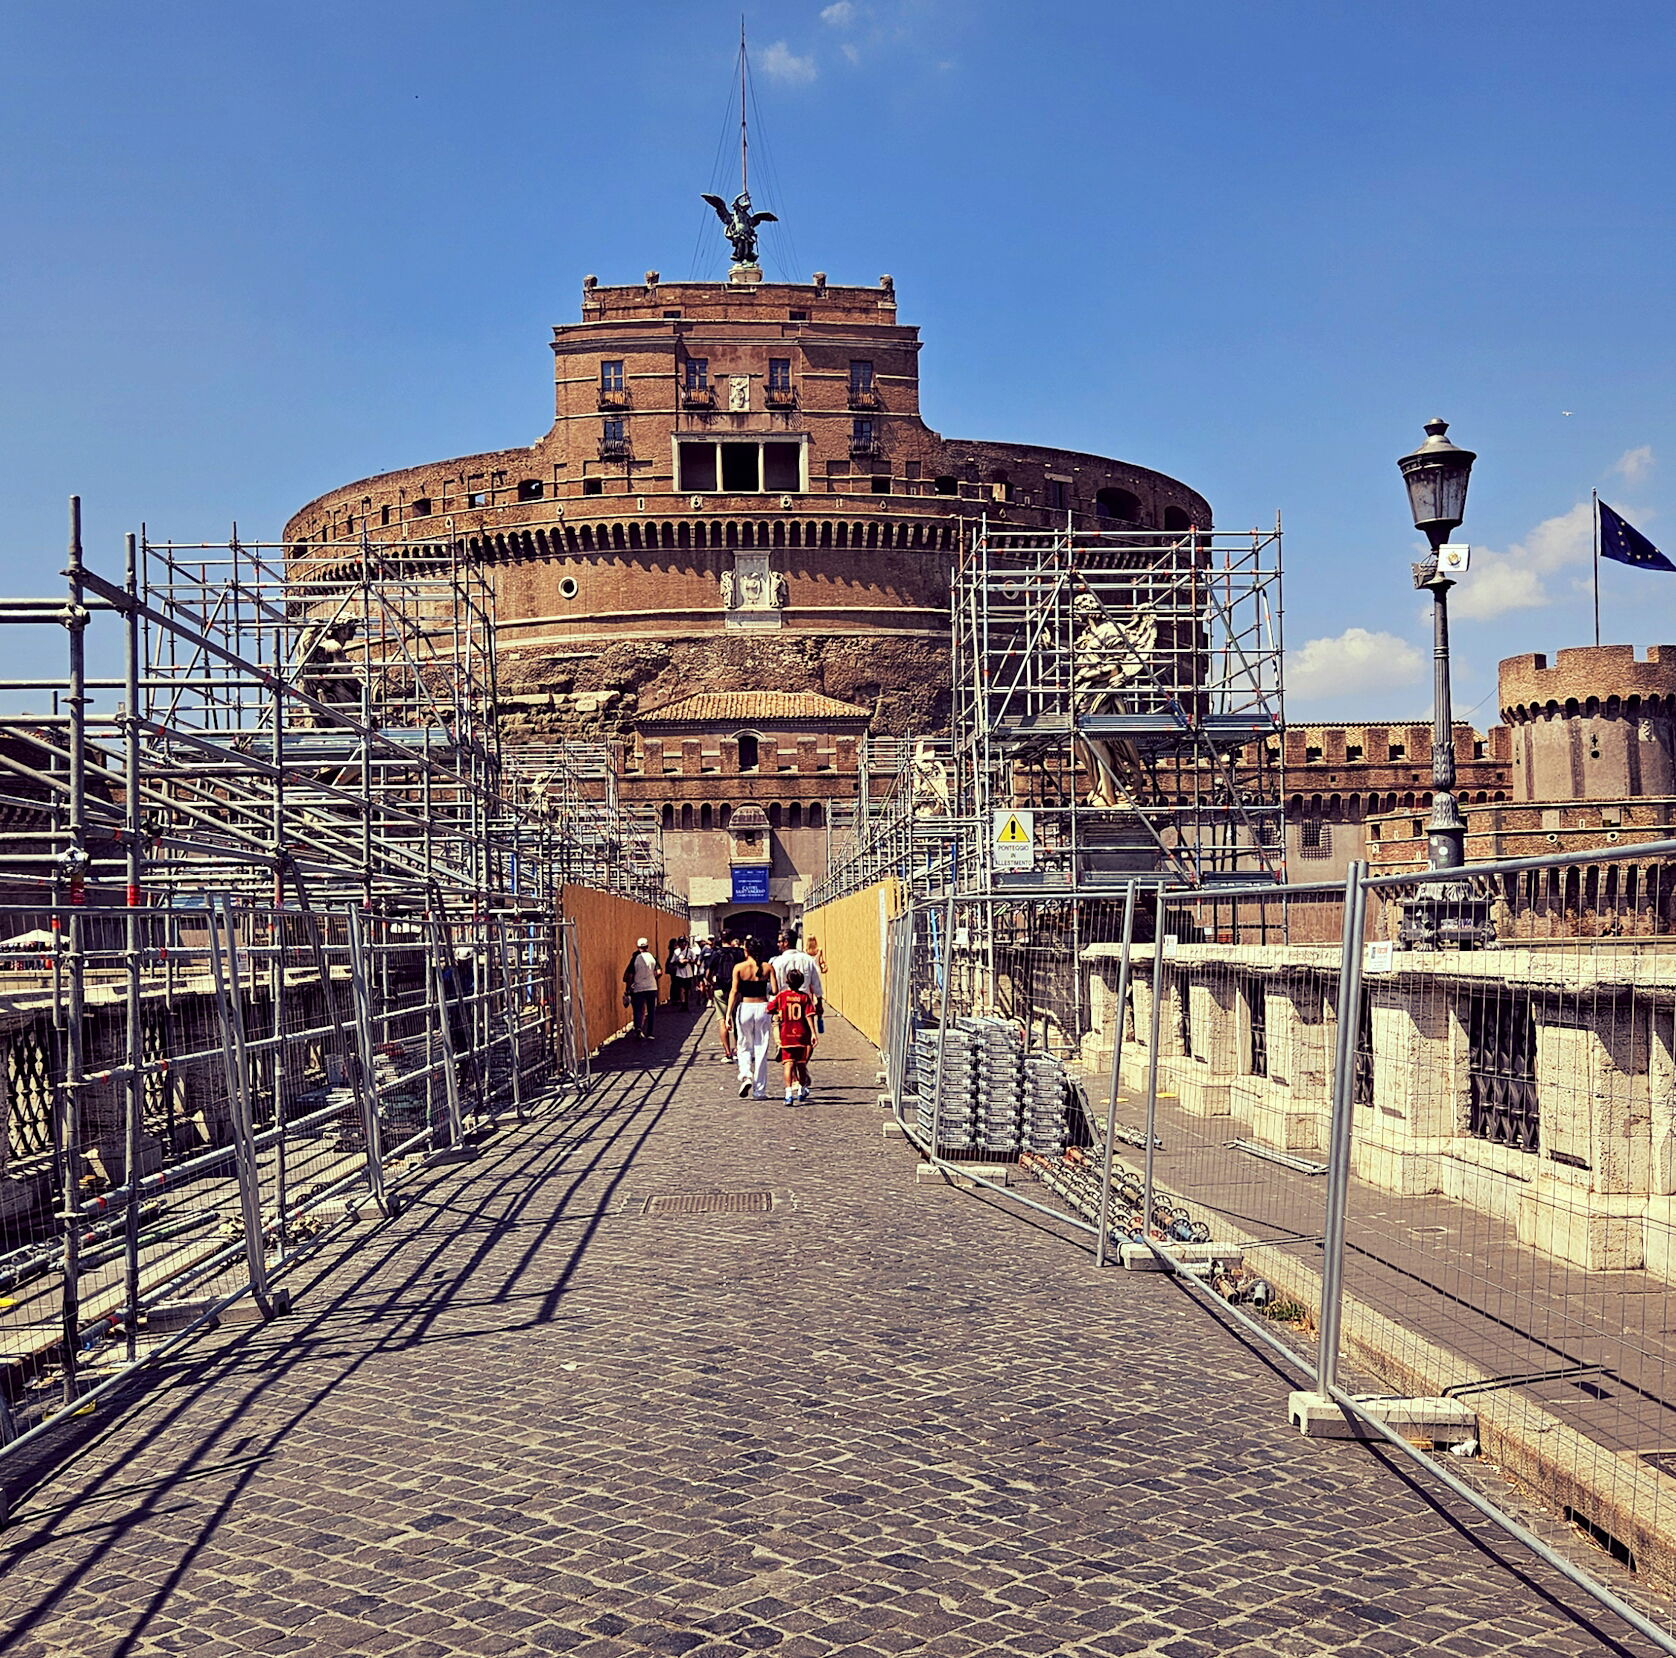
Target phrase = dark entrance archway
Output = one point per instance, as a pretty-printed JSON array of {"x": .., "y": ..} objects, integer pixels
[{"x": 760, "y": 925}]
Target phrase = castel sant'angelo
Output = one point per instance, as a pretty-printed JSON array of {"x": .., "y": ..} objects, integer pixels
[
  {"x": 737, "y": 492},
  {"x": 738, "y": 526}
]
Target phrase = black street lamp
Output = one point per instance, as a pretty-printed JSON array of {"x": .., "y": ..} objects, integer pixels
[{"x": 1436, "y": 477}]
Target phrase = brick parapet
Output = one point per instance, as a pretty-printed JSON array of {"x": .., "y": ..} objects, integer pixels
[{"x": 1584, "y": 674}]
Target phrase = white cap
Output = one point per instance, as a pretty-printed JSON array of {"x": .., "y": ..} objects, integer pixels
[{"x": 641, "y": 944}]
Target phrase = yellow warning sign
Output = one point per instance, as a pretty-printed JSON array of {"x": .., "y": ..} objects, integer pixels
[{"x": 1013, "y": 839}]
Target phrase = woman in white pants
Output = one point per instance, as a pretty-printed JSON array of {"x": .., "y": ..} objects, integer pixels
[{"x": 747, "y": 1008}]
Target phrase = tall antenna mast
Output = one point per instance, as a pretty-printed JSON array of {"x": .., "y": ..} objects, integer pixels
[{"x": 744, "y": 145}]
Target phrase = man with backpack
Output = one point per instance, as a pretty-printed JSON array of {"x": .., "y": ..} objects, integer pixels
[
  {"x": 640, "y": 987},
  {"x": 724, "y": 957}
]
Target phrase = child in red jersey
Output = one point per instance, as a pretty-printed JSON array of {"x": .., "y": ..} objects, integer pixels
[{"x": 794, "y": 1008}]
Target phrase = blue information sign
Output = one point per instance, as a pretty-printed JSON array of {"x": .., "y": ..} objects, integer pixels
[{"x": 750, "y": 886}]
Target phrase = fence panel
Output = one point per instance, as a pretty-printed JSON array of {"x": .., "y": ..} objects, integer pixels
[{"x": 1511, "y": 1216}]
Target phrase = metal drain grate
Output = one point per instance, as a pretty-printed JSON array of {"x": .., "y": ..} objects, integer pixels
[{"x": 709, "y": 1203}]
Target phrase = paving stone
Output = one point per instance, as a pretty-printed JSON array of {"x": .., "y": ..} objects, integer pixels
[{"x": 878, "y": 1419}]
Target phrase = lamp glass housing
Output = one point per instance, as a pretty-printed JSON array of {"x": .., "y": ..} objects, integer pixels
[{"x": 1436, "y": 476}]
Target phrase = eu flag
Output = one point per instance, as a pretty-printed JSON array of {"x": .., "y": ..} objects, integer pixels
[{"x": 1623, "y": 542}]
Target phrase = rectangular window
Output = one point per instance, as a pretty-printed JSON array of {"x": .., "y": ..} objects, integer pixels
[
  {"x": 861, "y": 436},
  {"x": 384, "y": 517},
  {"x": 741, "y": 468},
  {"x": 1257, "y": 1011},
  {"x": 881, "y": 485},
  {"x": 593, "y": 486},
  {"x": 861, "y": 376},
  {"x": 698, "y": 467},
  {"x": 779, "y": 374},
  {"x": 1053, "y": 495},
  {"x": 697, "y": 373},
  {"x": 477, "y": 498},
  {"x": 782, "y": 468},
  {"x": 613, "y": 429},
  {"x": 1315, "y": 839},
  {"x": 611, "y": 376},
  {"x": 1352, "y": 751},
  {"x": 531, "y": 489},
  {"x": 1501, "y": 1069}
]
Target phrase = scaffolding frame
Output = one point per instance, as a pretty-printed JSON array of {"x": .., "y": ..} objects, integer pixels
[
  {"x": 1124, "y": 686},
  {"x": 281, "y": 928}
]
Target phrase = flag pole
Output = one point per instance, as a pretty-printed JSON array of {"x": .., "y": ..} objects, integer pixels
[{"x": 1594, "y": 502}]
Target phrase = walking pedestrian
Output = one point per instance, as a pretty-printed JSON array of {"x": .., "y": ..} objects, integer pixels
[
  {"x": 687, "y": 964},
  {"x": 723, "y": 959},
  {"x": 753, "y": 984},
  {"x": 792, "y": 959},
  {"x": 640, "y": 987},
  {"x": 794, "y": 1009}
]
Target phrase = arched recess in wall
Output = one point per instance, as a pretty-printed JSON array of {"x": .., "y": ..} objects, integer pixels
[
  {"x": 1117, "y": 504},
  {"x": 748, "y": 750},
  {"x": 1177, "y": 518}
]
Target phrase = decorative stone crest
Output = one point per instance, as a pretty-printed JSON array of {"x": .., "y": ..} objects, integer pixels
[{"x": 752, "y": 593}]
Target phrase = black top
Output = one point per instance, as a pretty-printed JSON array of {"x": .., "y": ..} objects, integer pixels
[{"x": 753, "y": 990}]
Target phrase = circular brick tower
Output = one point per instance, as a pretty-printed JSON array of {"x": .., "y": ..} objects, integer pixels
[
  {"x": 1594, "y": 724},
  {"x": 737, "y": 494}
]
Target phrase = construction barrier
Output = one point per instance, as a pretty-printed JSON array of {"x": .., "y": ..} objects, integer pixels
[
  {"x": 601, "y": 929},
  {"x": 850, "y": 933}
]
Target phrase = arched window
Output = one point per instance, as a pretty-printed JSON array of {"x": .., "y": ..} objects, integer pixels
[
  {"x": 774, "y": 815},
  {"x": 1177, "y": 518},
  {"x": 817, "y": 817},
  {"x": 794, "y": 819},
  {"x": 725, "y": 817},
  {"x": 747, "y": 742},
  {"x": 687, "y": 815},
  {"x": 1117, "y": 503},
  {"x": 707, "y": 816},
  {"x": 668, "y": 815}
]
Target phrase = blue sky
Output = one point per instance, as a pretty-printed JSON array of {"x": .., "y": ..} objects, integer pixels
[{"x": 252, "y": 252}]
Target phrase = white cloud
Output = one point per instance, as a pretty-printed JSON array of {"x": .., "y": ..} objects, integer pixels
[
  {"x": 779, "y": 63},
  {"x": 851, "y": 51},
  {"x": 1356, "y": 663},
  {"x": 840, "y": 14},
  {"x": 1500, "y": 582},
  {"x": 1634, "y": 464}
]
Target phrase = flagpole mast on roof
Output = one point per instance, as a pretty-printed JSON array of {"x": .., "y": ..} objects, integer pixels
[
  {"x": 1594, "y": 518},
  {"x": 744, "y": 146}
]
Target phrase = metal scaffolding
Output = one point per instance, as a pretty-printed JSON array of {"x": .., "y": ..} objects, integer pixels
[
  {"x": 280, "y": 928},
  {"x": 1124, "y": 686}
]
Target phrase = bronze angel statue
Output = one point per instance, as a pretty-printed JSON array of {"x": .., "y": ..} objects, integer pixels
[{"x": 739, "y": 225}]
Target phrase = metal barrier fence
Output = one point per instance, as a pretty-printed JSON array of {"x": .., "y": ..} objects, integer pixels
[
  {"x": 1441, "y": 1183},
  {"x": 195, "y": 1098}
]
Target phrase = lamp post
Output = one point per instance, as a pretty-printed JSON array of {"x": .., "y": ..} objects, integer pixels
[{"x": 1436, "y": 476}]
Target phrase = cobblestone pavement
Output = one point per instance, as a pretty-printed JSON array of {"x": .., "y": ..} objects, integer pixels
[{"x": 531, "y": 1415}]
